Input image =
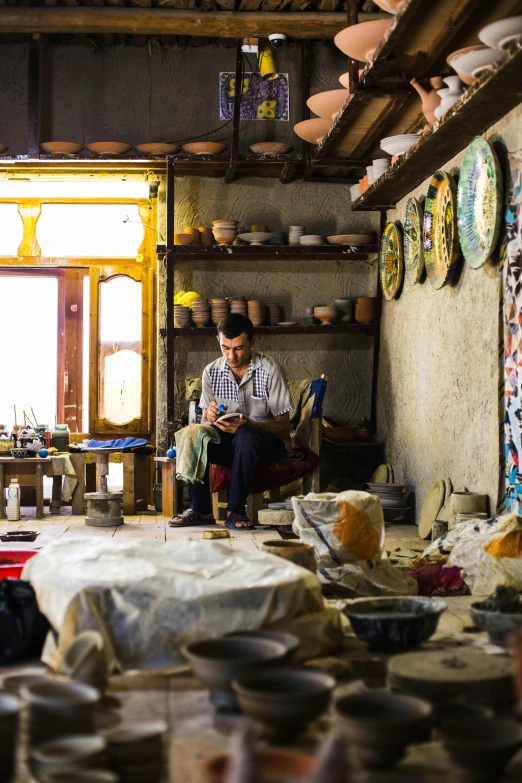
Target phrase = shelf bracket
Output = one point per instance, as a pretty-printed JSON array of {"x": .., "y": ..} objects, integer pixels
[{"x": 232, "y": 166}]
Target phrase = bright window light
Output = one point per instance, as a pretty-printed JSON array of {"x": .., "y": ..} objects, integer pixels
[
  {"x": 57, "y": 188},
  {"x": 11, "y": 229},
  {"x": 90, "y": 230}
]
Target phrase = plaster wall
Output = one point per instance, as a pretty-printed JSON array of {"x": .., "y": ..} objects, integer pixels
[{"x": 438, "y": 367}]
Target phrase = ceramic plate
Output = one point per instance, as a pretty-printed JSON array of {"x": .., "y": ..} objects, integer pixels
[
  {"x": 413, "y": 250},
  {"x": 288, "y": 323},
  {"x": 479, "y": 202},
  {"x": 502, "y": 33},
  {"x": 431, "y": 508},
  {"x": 380, "y": 475},
  {"x": 440, "y": 237},
  {"x": 391, "y": 264}
]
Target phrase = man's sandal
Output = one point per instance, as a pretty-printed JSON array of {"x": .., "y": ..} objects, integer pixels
[
  {"x": 191, "y": 518},
  {"x": 234, "y": 518}
]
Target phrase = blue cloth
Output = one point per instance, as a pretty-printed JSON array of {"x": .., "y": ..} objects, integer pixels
[{"x": 116, "y": 443}]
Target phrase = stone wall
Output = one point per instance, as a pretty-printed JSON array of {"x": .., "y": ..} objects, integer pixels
[{"x": 438, "y": 369}]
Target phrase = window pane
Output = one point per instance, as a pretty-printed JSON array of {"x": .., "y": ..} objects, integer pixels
[
  {"x": 120, "y": 350},
  {"x": 11, "y": 229},
  {"x": 29, "y": 349},
  {"x": 90, "y": 230}
]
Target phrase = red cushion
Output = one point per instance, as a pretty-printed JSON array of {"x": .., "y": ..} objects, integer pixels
[{"x": 298, "y": 463}]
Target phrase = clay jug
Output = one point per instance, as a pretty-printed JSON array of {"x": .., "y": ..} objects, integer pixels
[{"x": 430, "y": 98}]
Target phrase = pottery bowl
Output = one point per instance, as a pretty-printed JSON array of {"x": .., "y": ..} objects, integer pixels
[
  {"x": 481, "y": 746},
  {"x": 14, "y": 682},
  {"x": 19, "y": 453},
  {"x": 57, "y": 709},
  {"x": 257, "y": 237},
  {"x": 391, "y": 6},
  {"x": 185, "y": 239},
  {"x": 83, "y": 776},
  {"x": 156, "y": 148},
  {"x": 271, "y": 148},
  {"x": 224, "y": 237},
  {"x": 501, "y": 34},
  {"x": 380, "y": 724},
  {"x": 312, "y": 130},
  {"x": 288, "y": 640},
  {"x": 204, "y": 148},
  {"x": 226, "y": 223},
  {"x": 387, "y": 488},
  {"x": 398, "y": 145},
  {"x": 326, "y": 314},
  {"x": 475, "y": 58},
  {"x": 393, "y": 624},
  {"x": 295, "y": 551},
  {"x": 346, "y": 434},
  {"x": 498, "y": 625},
  {"x": 109, "y": 148},
  {"x": 285, "y": 700},
  {"x": 3, "y": 149},
  {"x": 61, "y": 148},
  {"x": 327, "y": 104},
  {"x": 216, "y": 662},
  {"x": 454, "y": 56},
  {"x": 80, "y": 750},
  {"x": 455, "y": 712},
  {"x": 359, "y": 40},
  {"x": 273, "y": 765}
]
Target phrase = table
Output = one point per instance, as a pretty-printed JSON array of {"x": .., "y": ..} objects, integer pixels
[
  {"x": 30, "y": 473},
  {"x": 136, "y": 478},
  {"x": 171, "y": 488}
]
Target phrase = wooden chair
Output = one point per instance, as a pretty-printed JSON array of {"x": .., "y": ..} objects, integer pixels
[{"x": 311, "y": 411}]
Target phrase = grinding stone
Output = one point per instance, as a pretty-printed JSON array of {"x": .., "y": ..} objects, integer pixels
[
  {"x": 269, "y": 517},
  {"x": 444, "y": 676},
  {"x": 431, "y": 508}
]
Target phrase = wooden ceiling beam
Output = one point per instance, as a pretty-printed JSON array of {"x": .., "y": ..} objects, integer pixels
[{"x": 171, "y": 21}]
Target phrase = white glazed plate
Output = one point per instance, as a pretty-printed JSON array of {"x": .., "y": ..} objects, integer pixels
[
  {"x": 398, "y": 145},
  {"x": 502, "y": 33},
  {"x": 480, "y": 59}
]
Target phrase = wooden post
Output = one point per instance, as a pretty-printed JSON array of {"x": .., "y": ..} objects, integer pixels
[
  {"x": 169, "y": 285},
  {"x": 232, "y": 166},
  {"x": 353, "y": 65},
  {"x": 2, "y": 493},
  {"x": 78, "y": 500},
  {"x": 376, "y": 341},
  {"x": 33, "y": 99},
  {"x": 39, "y": 491},
  {"x": 305, "y": 81},
  {"x": 56, "y": 497}
]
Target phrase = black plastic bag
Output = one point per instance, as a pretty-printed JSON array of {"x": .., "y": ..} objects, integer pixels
[{"x": 23, "y": 627}]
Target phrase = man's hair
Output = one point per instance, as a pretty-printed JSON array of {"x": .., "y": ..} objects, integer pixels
[{"x": 235, "y": 324}]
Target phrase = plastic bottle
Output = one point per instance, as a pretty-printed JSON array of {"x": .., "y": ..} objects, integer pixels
[{"x": 13, "y": 501}]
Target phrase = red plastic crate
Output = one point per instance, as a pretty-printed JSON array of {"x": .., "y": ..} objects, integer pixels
[{"x": 12, "y": 562}]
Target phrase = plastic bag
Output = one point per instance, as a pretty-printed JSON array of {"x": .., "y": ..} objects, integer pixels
[
  {"x": 23, "y": 627},
  {"x": 347, "y": 533}
]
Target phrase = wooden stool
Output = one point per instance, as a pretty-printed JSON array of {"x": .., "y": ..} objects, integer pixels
[
  {"x": 171, "y": 488},
  {"x": 30, "y": 473},
  {"x": 136, "y": 478}
]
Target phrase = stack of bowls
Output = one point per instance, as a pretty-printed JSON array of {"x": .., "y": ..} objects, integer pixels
[
  {"x": 365, "y": 310},
  {"x": 258, "y": 228},
  {"x": 255, "y": 312},
  {"x": 238, "y": 305},
  {"x": 355, "y": 191},
  {"x": 225, "y": 231},
  {"x": 181, "y": 316},
  {"x": 9, "y": 712},
  {"x": 136, "y": 752},
  {"x": 312, "y": 239},
  {"x": 273, "y": 311},
  {"x": 194, "y": 232},
  {"x": 346, "y": 309},
  {"x": 57, "y": 709},
  {"x": 219, "y": 309},
  {"x": 200, "y": 311},
  {"x": 380, "y": 165},
  {"x": 294, "y": 234},
  {"x": 206, "y": 237},
  {"x": 278, "y": 238},
  {"x": 370, "y": 174},
  {"x": 394, "y": 499},
  {"x": 84, "y": 751}
]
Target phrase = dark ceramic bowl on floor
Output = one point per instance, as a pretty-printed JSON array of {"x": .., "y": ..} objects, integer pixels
[
  {"x": 394, "y": 624},
  {"x": 482, "y": 747},
  {"x": 381, "y": 724},
  {"x": 288, "y": 640},
  {"x": 216, "y": 662},
  {"x": 284, "y": 701},
  {"x": 498, "y": 625},
  {"x": 459, "y": 713}
]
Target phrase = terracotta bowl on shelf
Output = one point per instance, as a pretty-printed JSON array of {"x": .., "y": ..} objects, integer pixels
[
  {"x": 185, "y": 239},
  {"x": 326, "y": 104},
  {"x": 61, "y": 148},
  {"x": 271, "y": 148},
  {"x": 391, "y": 6},
  {"x": 469, "y": 64},
  {"x": 224, "y": 236},
  {"x": 225, "y": 223},
  {"x": 108, "y": 147},
  {"x": 157, "y": 148},
  {"x": 326, "y": 314},
  {"x": 3, "y": 149},
  {"x": 454, "y": 56},
  {"x": 359, "y": 40},
  {"x": 351, "y": 239},
  {"x": 204, "y": 148},
  {"x": 312, "y": 130}
]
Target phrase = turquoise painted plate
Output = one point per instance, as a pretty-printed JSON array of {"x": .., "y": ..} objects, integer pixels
[
  {"x": 413, "y": 250},
  {"x": 479, "y": 202},
  {"x": 439, "y": 230},
  {"x": 391, "y": 263}
]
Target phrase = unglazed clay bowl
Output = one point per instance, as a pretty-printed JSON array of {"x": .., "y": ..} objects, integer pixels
[
  {"x": 288, "y": 640},
  {"x": 225, "y": 236},
  {"x": 394, "y": 624},
  {"x": 273, "y": 766},
  {"x": 61, "y": 148},
  {"x": 326, "y": 104},
  {"x": 3, "y": 149},
  {"x": 109, "y": 148},
  {"x": 482, "y": 747},
  {"x": 312, "y": 130},
  {"x": 217, "y": 662},
  {"x": 185, "y": 239},
  {"x": 286, "y": 700},
  {"x": 271, "y": 148},
  {"x": 358, "y": 40},
  {"x": 157, "y": 148},
  {"x": 381, "y": 724},
  {"x": 454, "y": 56},
  {"x": 326, "y": 314},
  {"x": 204, "y": 148},
  {"x": 391, "y": 6}
]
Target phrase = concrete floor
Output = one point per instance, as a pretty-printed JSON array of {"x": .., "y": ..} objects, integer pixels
[{"x": 194, "y": 731}]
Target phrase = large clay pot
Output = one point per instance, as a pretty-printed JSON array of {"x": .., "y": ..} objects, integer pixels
[
  {"x": 430, "y": 98},
  {"x": 301, "y": 554}
]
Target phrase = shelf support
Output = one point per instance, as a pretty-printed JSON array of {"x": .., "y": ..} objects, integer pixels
[
  {"x": 377, "y": 340},
  {"x": 232, "y": 166},
  {"x": 169, "y": 310},
  {"x": 33, "y": 98},
  {"x": 353, "y": 65}
]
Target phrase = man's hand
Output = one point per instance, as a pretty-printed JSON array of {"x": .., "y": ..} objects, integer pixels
[
  {"x": 230, "y": 425},
  {"x": 212, "y": 413}
]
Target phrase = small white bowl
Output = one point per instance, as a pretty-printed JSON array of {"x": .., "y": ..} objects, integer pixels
[
  {"x": 398, "y": 145},
  {"x": 501, "y": 34},
  {"x": 476, "y": 61}
]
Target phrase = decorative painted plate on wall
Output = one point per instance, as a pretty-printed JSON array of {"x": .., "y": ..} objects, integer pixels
[
  {"x": 440, "y": 236},
  {"x": 391, "y": 264},
  {"x": 479, "y": 202},
  {"x": 413, "y": 249}
]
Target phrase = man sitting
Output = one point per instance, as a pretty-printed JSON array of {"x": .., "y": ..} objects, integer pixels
[{"x": 254, "y": 386}]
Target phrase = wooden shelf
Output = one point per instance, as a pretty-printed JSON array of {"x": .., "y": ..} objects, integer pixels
[
  {"x": 417, "y": 43},
  {"x": 288, "y": 252},
  {"x": 345, "y": 329},
  {"x": 497, "y": 92}
]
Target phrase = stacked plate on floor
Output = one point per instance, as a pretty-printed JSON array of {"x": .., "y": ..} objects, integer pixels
[
  {"x": 58, "y": 709},
  {"x": 9, "y": 711},
  {"x": 255, "y": 312},
  {"x": 273, "y": 311},
  {"x": 136, "y": 752},
  {"x": 218, "y": 309},
  {"x": 312, "y": 239},
  {"x": 294, "y": 234},
  {"x": 201, "y": 311},
  {"x": 393, "y": 497},
  {"x": 68, "y": 754},
  {"x": 238, "y": 305}
]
